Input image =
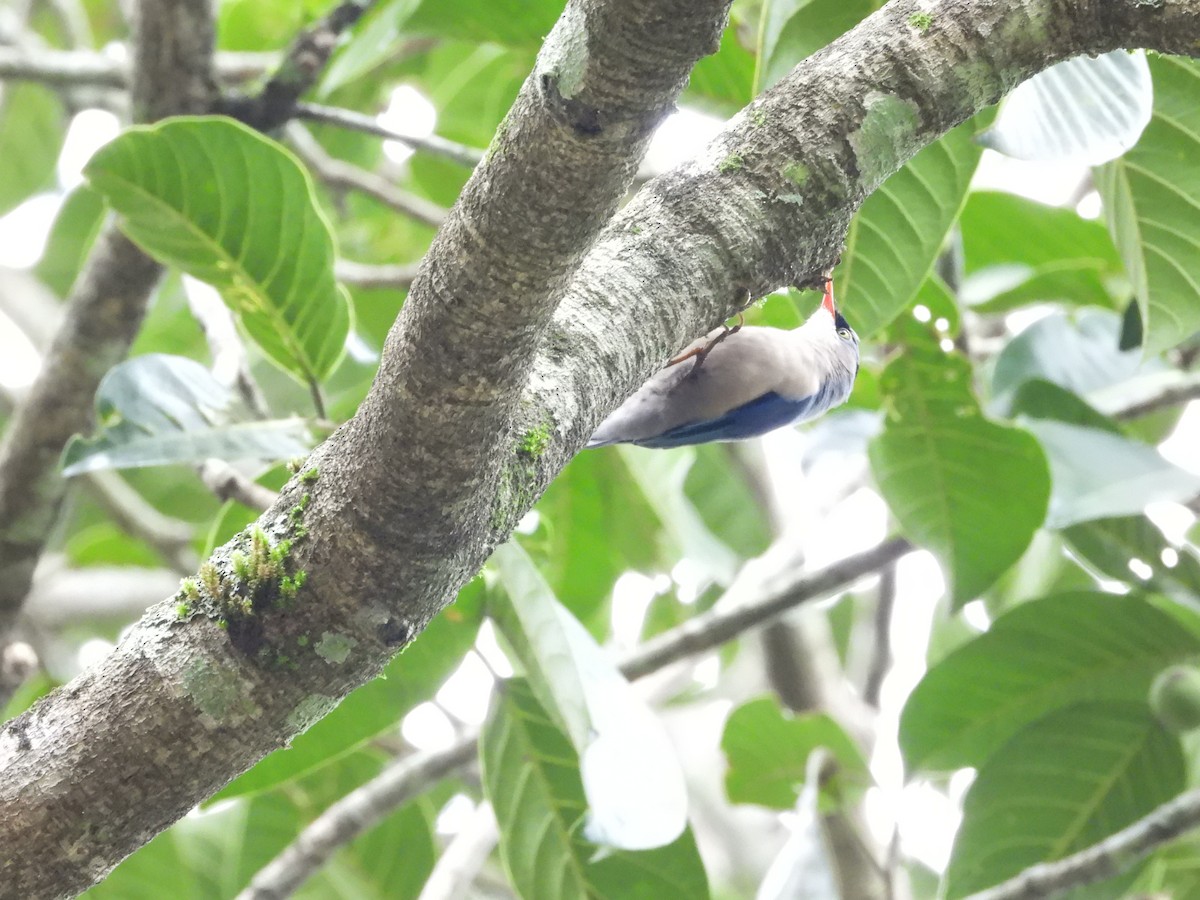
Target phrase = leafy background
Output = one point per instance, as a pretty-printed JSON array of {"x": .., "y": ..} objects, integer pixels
[{"x": 1008, "y": 345}]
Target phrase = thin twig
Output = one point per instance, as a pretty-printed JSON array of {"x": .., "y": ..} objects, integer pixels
[
  {"x": 406, "y": 778},
  {"x": 344, "y": 176},
  {"x": 1175, "y": 395},
  {"x": 881, "y": 638},
  {"x": 433, "y": 145},
  {"x": 84, "y": 68},
  {"x": 461, "y": 861},
  {"x": 349, "y": 817},
  {"x": 171, "y": 538},
  {"x": 298, "y": 71},
  {"x": 366, "y": 275},
  {"x": 228, "y": 483},
  {"x": 1109, "y": 857}
]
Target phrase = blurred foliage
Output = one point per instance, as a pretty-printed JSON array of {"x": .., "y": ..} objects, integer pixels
[{"x": 1003, "y": 341}]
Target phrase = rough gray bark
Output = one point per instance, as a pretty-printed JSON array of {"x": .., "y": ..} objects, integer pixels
[{"x": 511, "y": 329}]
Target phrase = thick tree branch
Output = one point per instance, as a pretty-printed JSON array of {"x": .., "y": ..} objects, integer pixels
[
  {"x": 730, "y": 618},
  {"x": 409, "y": 497},
  {"x": 1111, "y": 856}
]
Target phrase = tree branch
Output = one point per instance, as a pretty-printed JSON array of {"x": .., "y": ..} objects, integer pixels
[
  {"x": 365, "y": 275},
  {"x": 1111, "y": 856},
  {"x": 85, "y": 68},
  {"x": 297, "y": 72},
  {"x": 433, "y": 145},
  {"x": 372, "y": 802},
  {"x": 524, "y": 316},
  {"x": 341, "y": 175}
]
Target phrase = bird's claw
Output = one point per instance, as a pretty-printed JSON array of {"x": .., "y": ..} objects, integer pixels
[{"x": 700, "y": 353}]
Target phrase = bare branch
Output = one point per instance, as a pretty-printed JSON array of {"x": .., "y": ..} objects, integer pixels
[
  {"x": 229, "y": 484},
  {"x": 346, "y": 176},
  {"x": 1111, "y": 856},
  {"x": 881, "y": 636},
  {"x": 345, "y": 820},
  {"x": 461, "y": 862},
  {"x": 298, "y": 71},
  {"x": 365, "y": 275},
  {"x": 356, "y": 121},
  {"x": 359, "y": 810},
  {"x": 85, "y": 68},
  {"x": 779, "y": 593},
  {"x": 171, "y": 538},
  {"x": 1170, "y": 396}
]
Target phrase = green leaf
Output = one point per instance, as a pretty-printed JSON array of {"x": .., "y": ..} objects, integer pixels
[
  {"x": 767, "y": 751},
  {"x": 1041, "y": 399},
  {"x": 235, "y": 209},
  {"x": 718, "y": 489},
  {"x": 796, "y": 29},
  {"x": 597, "y": 525},
  {"x": 896, "y": 236},
  {"x": 1001, "y": 229},
  {"x": 1061, "y": 784},
  {"x": 723, "y": 81},
  {"x": 531, "y": 775},
  {"x": 661, "y": 477},
  {"x": 1041, "y": 656},
  {"x": 1109, "y": 545},
  {"x": 938, "y": 461},
  {"x": 31, "y": 134},
  {"x": 71, "y": 236},
  {"x": 1151, "y": 196},
  {"x": 411, "y": 678},
  {"x": 156, "y": 410},
  {"x": 635, "y": 788},
  {"x": 1098, "y": 474}
]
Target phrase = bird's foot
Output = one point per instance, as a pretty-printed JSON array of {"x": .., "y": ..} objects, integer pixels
[{"x": 700, "y": 353}]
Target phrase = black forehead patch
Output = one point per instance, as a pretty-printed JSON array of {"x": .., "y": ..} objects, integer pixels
[{"x": 839, "y": 321}]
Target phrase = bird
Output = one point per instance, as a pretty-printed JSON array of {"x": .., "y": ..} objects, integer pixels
[{"x": 741, "y": 382}]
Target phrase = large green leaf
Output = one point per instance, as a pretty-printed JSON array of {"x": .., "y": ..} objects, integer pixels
[
  {"x": 767, "y": 750},
  {"x": 1060, "y": 785},
  {"x": 1042, "y": 655},
  {"x": 233, "y": 208},
  {"x": 1001, "y": 228},
  {"x": 637, "y": 798},
  {"x": 1110, "y": 545},
  {"x": 896, "y": 236},
  {"x": 940, "y": 465},
  {"x": 531, "y": 775},
  {"x": 412, "y": 677},
  {"x": 157, "y": 409},
  {"x": 31, "y": 133},
  {"x": 1151, "y": 198}
]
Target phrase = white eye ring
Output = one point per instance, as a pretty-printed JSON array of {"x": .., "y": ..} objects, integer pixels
[{"x": 844, "y": 334}]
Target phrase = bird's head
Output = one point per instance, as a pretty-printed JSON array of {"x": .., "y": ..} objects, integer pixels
[{"x": 846, "y": 341}]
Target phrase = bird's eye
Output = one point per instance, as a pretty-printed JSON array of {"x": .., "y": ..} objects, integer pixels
[{"x": 845, "y": 334}]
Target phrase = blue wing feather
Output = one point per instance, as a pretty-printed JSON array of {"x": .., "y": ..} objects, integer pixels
[{"x": 766, "y": 413}]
